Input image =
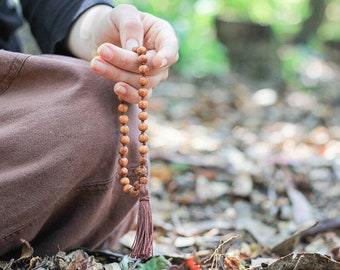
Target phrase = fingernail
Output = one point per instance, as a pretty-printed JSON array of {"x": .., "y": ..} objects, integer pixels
[
  {"x": 164, "y": 62},
  {"x": 130, "y": 43},
  {"x": 120, "y": 90},
  {"x": 97, "y": 65},
  {"x": 105, "y": 52}
]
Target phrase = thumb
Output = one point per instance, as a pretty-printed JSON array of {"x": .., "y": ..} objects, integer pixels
[{"x": 130, "y": 26}]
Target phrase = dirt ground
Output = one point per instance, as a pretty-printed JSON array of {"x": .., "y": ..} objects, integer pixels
[{"x": 246, "y": 169}]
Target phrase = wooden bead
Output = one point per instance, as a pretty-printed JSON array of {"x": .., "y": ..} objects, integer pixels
[
  {"x": 143, "y": 149},
  {"x": 125, "y": 140},
  {"x": 143, "y": 92},
  {"x": 143, "y": 104},
  {"x": 124, "y": 130},
  {"x": 142, "y": 59},
  {"x": 123, "y": 119},
  {"x": 143, "y": 69},
  {"x": 123, "y": 150},
  {"x": 143, "y": 127},
  {"x": 143, "y": 160},
  {"x": 143, "y": 81},
  {"x": 124, "y": 181},
  {"x": 136, "y": 185},
  {"x": 126, "y": 188},
  {"x": 123, "y": 171},
  {"x": 143, "y": 180},
  {"x": 143, "y": 116},
  {"x": 133, "y": 192},
  {"x": 123, "y": 161},
  {"x": 141, "y": 171},
  {"x": 123, "y": 108},
  {"x": 141, "y": 50},
  {"x": 143, "y": 138}
]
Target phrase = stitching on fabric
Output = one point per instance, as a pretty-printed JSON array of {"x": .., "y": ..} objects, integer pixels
[
  {"x": 105, "y": 184},
  {"x": 16, "y": 66}
]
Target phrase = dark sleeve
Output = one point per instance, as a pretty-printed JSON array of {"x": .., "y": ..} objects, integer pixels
[{"x": 50, "y": 20}]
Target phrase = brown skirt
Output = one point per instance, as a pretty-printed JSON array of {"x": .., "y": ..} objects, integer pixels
[{"x": 59, "y": 187}]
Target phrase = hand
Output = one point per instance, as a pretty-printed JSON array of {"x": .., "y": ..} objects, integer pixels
[{"x": 113, "y": 37}]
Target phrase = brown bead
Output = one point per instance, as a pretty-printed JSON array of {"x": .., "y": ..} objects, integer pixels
[
  {"x": 123, "y": 171},
  {"x": 143, "y": 116},
  {"x": 136, "y": 185},
  {"x": 143, "y": 180},
  {"x": 143, "y": 138},
  {"x": 125, "y": 140},
  {"x": 143, "y": 92},
  {"x": 142, "y": 59},
  {"x": 123, "y": 119},
  {"x": 143, "y": 127},
  {"x": 123, "y": 150},
  {"x": 124, "y": 130},
  {"x": 143, "y": 69},
  {"x": 142, "y": 171},
  {"x": 123, "y": 161},
  {"x": 124, "y": 181},
  {"x": 134, "y": 49},
  {"x": 126, "y": 188},
  {"x": 143, "y": 104},
  {"x": 123, "y": 108},
  {"x": 143, "y": 81},
  {"x": 143, "y": 149},
  {"x": 141, "y": 50},
  {"x": 133, "y": 192},
  {"x": 143, "y": 160}
]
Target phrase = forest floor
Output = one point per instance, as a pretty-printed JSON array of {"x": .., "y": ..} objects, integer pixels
[{"x": 245, "y": 175}]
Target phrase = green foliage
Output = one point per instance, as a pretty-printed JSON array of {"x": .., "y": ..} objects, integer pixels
[
  {"x": 200, "y": 52},
  {"x": 155, "y": 263}
]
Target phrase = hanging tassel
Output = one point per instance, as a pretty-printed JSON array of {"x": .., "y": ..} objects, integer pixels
[{"x": 142, "y": 247}]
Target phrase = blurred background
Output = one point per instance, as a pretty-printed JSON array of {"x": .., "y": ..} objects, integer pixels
[
  {"x": 219, "y": 35},
  {"x": 245, "y": 133}
]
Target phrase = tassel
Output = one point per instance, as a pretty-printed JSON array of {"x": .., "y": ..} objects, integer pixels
[{"x": 142, "y": 247}]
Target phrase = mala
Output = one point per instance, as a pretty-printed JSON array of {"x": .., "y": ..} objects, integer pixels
[{"x": 143, "y": 245}]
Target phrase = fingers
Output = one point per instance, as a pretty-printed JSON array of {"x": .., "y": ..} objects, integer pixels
[
  {"x": 129, "y": 22},
  {"x": 121, "y": 66},
  {"x": 128, "y": 93},
  {"x": 161, "y": 37}
]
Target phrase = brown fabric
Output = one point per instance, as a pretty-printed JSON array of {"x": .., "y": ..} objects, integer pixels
[{"x": 59, "y": 135}]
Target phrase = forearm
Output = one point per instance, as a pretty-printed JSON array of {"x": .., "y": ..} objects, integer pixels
[
  {"x": 81, "y": 39},
  {"x": 51, "y": 20}
]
